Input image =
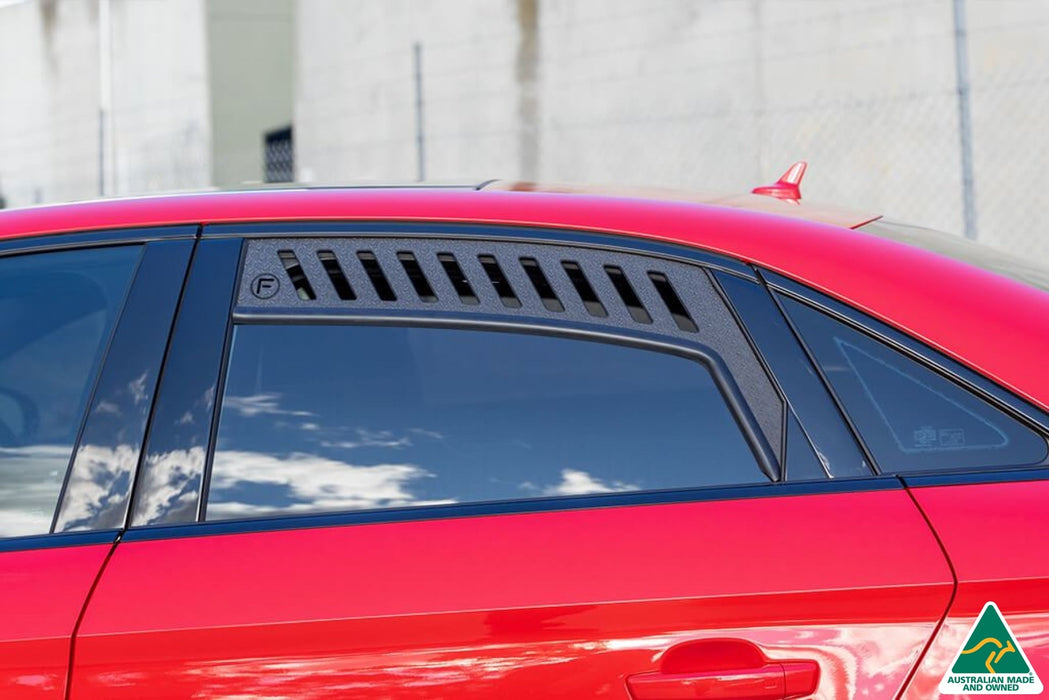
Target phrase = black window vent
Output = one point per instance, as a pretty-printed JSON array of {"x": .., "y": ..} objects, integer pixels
[
  {"x": 593, "y": 305},
  {"x": 542, "y": 286},
  {"x": 633, "y": 304},
  {"x": 673, "y": 301},
  {"x": 457, "y": 278},
  {"x": 488, "y": 276},
  {"x": 298, "y": 278},
  {"x": 499, "y": 282},
  {"x": 336, "y": 275},
  {"x": 609, "y": 288},
  {"x": 417, "y": 276},
  {"x": 373, "y": 269}
]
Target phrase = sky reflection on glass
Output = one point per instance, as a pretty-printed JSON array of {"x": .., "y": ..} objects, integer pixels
[
  {"x": 359, "y": 417},
  {"x": 56, "y": 312}
]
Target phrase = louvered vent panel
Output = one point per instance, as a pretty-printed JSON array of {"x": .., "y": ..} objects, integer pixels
[{"x": 499, "y": 278}]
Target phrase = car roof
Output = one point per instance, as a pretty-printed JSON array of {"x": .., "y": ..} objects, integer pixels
[
  {"x": 822, "y": 213},
  {"x": 994, "y": 325}
]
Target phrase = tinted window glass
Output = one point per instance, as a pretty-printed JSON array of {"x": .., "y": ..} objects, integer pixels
[
  {"x": 345, "y": 417},
  {"x": 56, "y": 314},
  {"x": 911, "y": 417}
]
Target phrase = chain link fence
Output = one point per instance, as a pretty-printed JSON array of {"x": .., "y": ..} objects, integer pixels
[{"x": 713, "y": 95}]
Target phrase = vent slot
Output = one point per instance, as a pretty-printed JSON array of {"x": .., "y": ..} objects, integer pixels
[
  {"x": 418, "y": 278},
  {"x": 378, "y": 278},
  {"x": 455, "y": 274},
  {"x": 296, "y": 275},
  {"x": 586, "y": 292},
  {"x": 666, "y": 291},
  {"x": 499, "y": 282},
  {"x": 542, "y": 285},
  {"x": 336, "y": 275},
  {"x": 637, "y": 310}
]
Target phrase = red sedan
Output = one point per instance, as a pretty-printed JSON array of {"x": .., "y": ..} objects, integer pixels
[{"x": 510, "y": 441}]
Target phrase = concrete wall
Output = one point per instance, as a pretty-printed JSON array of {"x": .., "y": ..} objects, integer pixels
[
  {"x": 49, "y": 109},
  {"x": 161, "y": 125},
  {"x": 48, "y": 101},
  {"x": 355, "y": 95},
  {"x": 251, "y": 63},
  {"x": 695, "y": 94}
]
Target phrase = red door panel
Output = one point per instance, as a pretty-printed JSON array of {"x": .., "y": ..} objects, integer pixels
[
  {"x": 995, "y": 535},
  {"x": 44, "y": 591},
  {"x": 565, "y": 604}
]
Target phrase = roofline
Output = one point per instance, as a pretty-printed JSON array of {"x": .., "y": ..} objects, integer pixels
[
  {"x": 890, "y": 281},
  {"x": 33, "y": 220}
]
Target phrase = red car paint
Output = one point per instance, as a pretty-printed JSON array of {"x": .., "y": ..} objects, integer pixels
[
  {"x": 514, "y": 605},
  {"x": 993, "y": 533},
  {"x": 556, "y": 604},
  {"x": 43, "y": 593}
]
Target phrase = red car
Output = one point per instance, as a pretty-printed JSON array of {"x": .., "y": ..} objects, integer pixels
[{"x": 509, "y": 441}]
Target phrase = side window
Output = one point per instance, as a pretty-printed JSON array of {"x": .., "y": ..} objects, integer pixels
[
  {"x": 338, "y": 417},
  {"x": 57, "y": 310},
  {"x": 911, "y": 417}
]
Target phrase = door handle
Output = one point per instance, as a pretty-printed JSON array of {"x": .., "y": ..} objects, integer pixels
[{"x": 724, "y": 668}]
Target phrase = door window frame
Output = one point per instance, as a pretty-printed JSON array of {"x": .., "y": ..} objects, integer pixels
[
  {"x": 160, "y": 247},
  {"x": 239, "y": 236}
]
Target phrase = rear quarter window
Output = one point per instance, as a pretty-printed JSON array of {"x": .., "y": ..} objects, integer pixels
[
  {"x": 342, "y": 417},
  {"x": 911, "y": 417}
]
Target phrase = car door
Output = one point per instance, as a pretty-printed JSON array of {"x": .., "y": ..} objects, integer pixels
[
  {"x": 427, "y": 461},
  {"x": 973, "y": 457},
  {"x": 84, "y": 320}
]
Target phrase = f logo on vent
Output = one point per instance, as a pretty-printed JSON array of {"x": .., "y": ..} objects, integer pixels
[{"x": 265, "y": 286}]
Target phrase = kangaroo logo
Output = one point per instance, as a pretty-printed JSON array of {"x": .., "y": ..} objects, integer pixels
[
  {"x": 996, "y": 654},
  {"x": 991, "y": 661}
]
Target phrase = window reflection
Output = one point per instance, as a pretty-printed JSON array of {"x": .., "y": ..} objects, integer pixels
[
  {"x": 56, "y": 312},
  {"x": 319, "y": 418}
]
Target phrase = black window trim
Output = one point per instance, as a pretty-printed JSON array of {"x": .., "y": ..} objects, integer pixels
[
  {"x": 140, "y": 340},
  {"x": 100, "y": 238},
  {"x": 204, "y": 311},
  {"x": 704, "y": 494},
  {"x": 838, "y": 436},
  {"x": 79, "y": 240},
  {"x": 1015, "y": 407}
]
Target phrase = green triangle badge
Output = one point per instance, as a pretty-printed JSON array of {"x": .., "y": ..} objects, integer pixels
[{"x": 991, "y": 661}]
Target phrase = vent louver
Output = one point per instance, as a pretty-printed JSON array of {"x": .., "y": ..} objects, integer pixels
[
  {"x": 499, "y": 282},
  {"x": 504, "y": 279},
  {"x": 297, "y": 277},
  {"x": 375, "y": 273},
  {"x": 593, "y": 305},
  {"x": 417, "y": 276},
  {"x": 336, "y": 275},
  {"x": 542, "y": 286},
  {"x": 457, "y": 278},
  {"x": 673, "y": 301},
  {"x": 637, "y": 310},
  {"x": 590, "y": 284}
]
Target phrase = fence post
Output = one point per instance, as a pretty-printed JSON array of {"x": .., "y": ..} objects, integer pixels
[
  {"x": 420, "y": 145},
  {"x": 961, "y": 62}
]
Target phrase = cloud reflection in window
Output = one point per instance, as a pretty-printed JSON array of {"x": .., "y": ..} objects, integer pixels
[
  {"x": 244, "y": 484},
  {"x": 32, "y": 476}
]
